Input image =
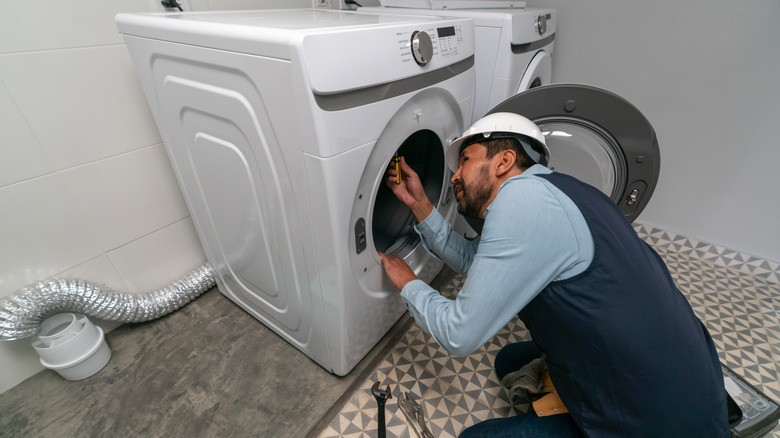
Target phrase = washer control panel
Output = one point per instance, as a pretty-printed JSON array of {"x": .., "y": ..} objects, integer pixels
[{"x": 423, "y": 45}]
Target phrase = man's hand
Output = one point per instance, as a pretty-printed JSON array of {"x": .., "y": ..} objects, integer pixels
[
  {"x": 397, "y": 270},
  {"x": 410, "y": 191}
]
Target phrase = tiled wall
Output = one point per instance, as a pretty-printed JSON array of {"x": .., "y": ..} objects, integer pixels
[{"x": 86, "y": 189}]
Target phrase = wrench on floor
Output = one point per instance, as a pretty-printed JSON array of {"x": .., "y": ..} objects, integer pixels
[
  {"x": 414, "y": 414},
  {"x": 381, "y": 396}
]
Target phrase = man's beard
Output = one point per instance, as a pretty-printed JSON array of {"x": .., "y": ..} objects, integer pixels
[{"x": 475, "y": 195}]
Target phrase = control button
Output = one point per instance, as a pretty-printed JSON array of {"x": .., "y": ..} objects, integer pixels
[
  {"x": 541, "y": 24},
  {"x": 360, "y": 235},
  {"x": 422, "y": 47}
]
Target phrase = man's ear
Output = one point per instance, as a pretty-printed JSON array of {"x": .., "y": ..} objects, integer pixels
[{"x": 506, "y": 162}]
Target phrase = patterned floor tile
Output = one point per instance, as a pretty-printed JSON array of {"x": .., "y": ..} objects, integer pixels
[{"x": 735, "y": 295}]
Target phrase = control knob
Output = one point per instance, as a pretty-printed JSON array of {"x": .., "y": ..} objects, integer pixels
[
  {"x": 541, "y": 24},
  {"x": 422, "y": 47}
]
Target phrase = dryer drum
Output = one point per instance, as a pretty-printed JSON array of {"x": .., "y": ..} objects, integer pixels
[{"x": 393, "y": 223}]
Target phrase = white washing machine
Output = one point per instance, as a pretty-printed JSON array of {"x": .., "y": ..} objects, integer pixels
[
  {"x": 513, "y": 46},
  {"x": 280, "y": 125}
]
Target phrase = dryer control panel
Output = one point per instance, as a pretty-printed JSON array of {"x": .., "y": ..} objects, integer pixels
[
  {"x": 446, "y": 41},
  {"x": 383, "y": 54}
]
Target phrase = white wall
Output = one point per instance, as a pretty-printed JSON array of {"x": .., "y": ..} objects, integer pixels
[
  {"x": 706, "y": 73},
  {"x": 86, "y": 189}
]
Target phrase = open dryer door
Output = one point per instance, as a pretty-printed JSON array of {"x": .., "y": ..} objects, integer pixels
[{"x": 595, "y": 136}]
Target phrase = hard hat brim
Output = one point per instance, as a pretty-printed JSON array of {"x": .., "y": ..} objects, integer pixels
[
  {"x": 452, "y": 156},
  {"x": 501, "y": 125}
]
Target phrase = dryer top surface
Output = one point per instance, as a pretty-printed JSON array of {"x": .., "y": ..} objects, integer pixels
[
  {"x": 295, "y": 20},
  {"x": 453, "y": 4},
  {"x": 272, "y": 33}
]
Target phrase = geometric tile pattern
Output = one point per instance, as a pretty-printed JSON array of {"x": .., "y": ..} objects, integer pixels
[
  {"x": 719, "y": 255},
  {"x": 742, "y": 314},
  {"x": 736, "y": 296},
  {"x": 454, "y": 392}
]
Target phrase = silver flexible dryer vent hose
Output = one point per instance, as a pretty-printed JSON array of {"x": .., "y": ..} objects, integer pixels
[{"x": 22, "y": 313}]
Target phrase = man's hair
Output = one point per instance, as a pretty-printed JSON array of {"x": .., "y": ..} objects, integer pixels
[{"x": 496, "y": 145}]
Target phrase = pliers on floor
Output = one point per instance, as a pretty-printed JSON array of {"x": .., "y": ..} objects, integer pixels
[{"x": 414, "y": 414}]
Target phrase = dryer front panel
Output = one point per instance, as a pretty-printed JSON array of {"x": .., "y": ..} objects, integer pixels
[
  {"x": 538, "y": 73},
  {"x": 529, "y": 70},
  {"x": 347, "y": 241}
]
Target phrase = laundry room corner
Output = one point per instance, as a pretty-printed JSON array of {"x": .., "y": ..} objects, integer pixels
[{"x": 135, "y": 149}]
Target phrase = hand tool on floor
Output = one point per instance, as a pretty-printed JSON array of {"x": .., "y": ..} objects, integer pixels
[
  {"x": 381, "y": 396},
  {"x": 414, "y": 414}
]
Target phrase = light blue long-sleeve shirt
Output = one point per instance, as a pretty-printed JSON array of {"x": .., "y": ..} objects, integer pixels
[{"x": 533, "y": 235}]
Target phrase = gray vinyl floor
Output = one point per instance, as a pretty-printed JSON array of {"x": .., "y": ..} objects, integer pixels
[{"x": 206, "y": 370}]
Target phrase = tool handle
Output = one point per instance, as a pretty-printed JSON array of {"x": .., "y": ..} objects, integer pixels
[
  {"x": 397, "y": 166},
  {"x": 382, "y": 432},
  {"x": 418, "y": 412}
]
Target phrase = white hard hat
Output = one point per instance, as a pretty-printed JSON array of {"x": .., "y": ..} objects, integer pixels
[{"x": 501, "y": 125}]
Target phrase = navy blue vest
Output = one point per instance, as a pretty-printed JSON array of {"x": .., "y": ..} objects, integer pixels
[{"x": 625, "y": 351}]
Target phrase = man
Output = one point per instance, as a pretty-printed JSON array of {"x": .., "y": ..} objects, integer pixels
[{"x": 623, "y": 348}]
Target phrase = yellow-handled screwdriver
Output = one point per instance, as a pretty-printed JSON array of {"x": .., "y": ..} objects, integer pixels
[{"x": 397, "y": 165}]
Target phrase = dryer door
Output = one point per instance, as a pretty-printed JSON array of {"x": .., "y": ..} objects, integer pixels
[{"x": 597, "y": 137}]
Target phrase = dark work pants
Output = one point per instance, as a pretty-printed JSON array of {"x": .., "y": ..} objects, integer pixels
[{"x": 509, "y": 359}]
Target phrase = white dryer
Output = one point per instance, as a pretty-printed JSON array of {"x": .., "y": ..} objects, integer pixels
[
  {"x": 513, "y": 46},
  {"x": 280, "y": 125}
]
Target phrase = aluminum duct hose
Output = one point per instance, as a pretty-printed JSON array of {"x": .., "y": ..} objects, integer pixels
[{"x": 22, "y": 313}]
